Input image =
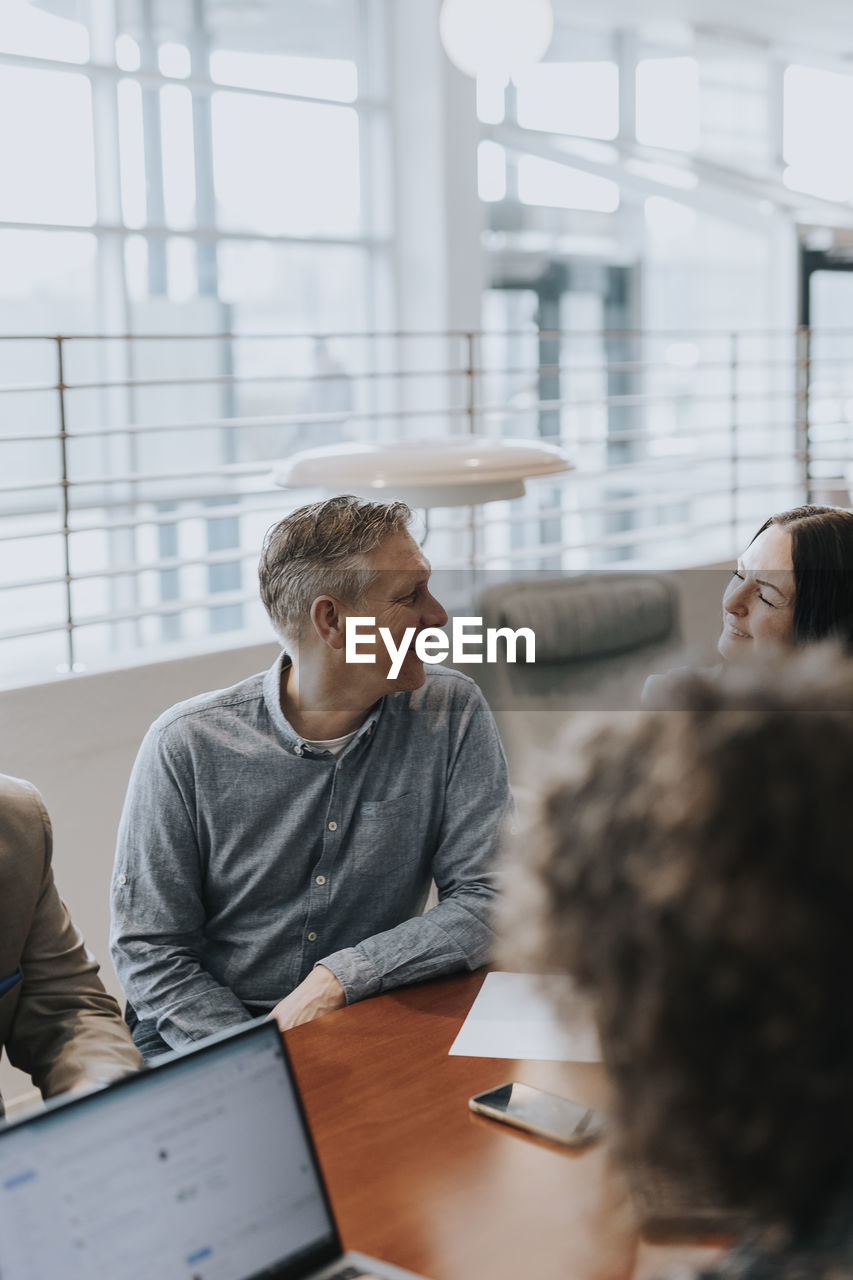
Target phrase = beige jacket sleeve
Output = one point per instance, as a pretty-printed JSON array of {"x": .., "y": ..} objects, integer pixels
[{"x": 65, "y": 1029}]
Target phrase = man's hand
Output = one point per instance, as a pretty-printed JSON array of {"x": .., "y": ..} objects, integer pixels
[
  {"x": 317, "y": 994},
  {"x": 88, "y": 1085}
]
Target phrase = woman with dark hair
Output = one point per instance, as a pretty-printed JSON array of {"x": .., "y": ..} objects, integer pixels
[
  {"x": 693, "y": 874},
  {"x": 793, "y": 584}
]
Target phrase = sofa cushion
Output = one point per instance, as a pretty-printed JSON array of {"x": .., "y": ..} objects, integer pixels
[{"x": 584, "y": 616}]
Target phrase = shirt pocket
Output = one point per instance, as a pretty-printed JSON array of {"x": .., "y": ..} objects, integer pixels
[{"x": 385, "y": 837}]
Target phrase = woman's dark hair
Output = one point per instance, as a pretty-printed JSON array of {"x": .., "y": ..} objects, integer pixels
[
  {"x": 692, "y": 871},
  {"x": 822, "y": 552}
]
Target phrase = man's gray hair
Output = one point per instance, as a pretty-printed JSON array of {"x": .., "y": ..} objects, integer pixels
[{"x": 317, "y": 550}]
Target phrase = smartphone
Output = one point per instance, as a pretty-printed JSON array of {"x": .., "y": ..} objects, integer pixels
[{"x": 571, "y": 1123}]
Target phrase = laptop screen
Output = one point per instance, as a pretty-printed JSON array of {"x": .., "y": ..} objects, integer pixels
[{"x": 201, "y": 1169}]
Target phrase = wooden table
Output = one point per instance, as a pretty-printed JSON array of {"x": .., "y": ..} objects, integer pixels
[{"x": 417, "y": 1179}]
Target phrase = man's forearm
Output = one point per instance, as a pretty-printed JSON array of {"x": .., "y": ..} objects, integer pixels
[
  {"x": 63, "y": 1039},
  {"x": 99, "y": 1051},
  {"x": 66, "y": 1027},
  {"x": 454, "y": 935},
  {"x": 212, "y": 1009},
  {"x": 319, "y": 993},
  {"x": 179, "y": 995}
]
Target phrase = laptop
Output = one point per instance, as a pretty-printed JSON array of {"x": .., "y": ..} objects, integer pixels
[{"x": 201, "y": 1168}]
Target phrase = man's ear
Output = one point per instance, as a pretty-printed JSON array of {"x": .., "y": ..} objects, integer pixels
[{"x": 327, "y": 619}]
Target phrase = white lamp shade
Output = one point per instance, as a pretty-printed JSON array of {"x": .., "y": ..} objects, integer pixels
[
  {"x": 449, "y": 472},
  {"x": 495, "y": 37}
]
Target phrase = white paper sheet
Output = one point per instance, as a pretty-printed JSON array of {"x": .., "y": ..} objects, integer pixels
[{"x": 512, "y": 1017}]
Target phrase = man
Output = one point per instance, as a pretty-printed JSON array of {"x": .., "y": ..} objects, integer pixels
[
  {"x": 56, "y": 1020},
  {"x": 280, "y": 838}
]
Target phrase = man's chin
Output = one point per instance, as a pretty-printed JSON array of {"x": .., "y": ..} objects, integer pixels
[{"x": 412, "y": 676}]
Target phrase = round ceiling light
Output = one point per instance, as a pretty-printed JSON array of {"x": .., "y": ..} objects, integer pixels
[
  {"x": 450, "y": 471},
  {"x": 495, "y": 37}
]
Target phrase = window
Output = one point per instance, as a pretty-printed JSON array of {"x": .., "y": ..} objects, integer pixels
[
  {"x": 47, "y": 159},
  {"x": 28, "y": 30},
  {"x": 491, "y": 171},
  {"x": 285, "y": 167},
  {"x": 571, "y": 97},
  {"x": 190, "y": 188},
  {"x": 668, "y": 103},
  {"x": 546, "y": 182},
  {"x": 818, "y": 132}
]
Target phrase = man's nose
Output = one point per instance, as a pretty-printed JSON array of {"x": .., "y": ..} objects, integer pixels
[{"x": 435, "y": 614}]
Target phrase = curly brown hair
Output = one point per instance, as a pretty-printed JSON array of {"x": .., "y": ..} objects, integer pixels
[{"x": 693, "y": 871}]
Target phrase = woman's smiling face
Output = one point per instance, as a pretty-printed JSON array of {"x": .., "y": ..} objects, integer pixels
[{"x": 758, "y": 603}]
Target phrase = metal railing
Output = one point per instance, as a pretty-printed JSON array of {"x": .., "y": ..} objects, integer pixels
[{"x": 135, "y": 479}]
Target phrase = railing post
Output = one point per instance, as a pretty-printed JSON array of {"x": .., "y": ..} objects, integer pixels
[
  {"x": 470, "y": 376},
  {"x": 66, "y": 502},
  {"x": 471, "y": 417},
  {"x": 803, "y": 444},
  {"x": 733, "y": 440}
]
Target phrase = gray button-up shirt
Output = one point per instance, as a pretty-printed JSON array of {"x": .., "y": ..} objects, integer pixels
[{"x": 245, "y": 857}]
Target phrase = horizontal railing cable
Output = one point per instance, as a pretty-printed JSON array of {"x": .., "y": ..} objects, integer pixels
[{"x": 680, "y": 445}]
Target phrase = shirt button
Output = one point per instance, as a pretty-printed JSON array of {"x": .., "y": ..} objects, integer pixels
[
  {"x": 297, "y": 751},
  {"x": 320, "y": 880},
  {"x": 333, "y": 826},
  {"x": 312, "y": 937},
  {"x": 122, "y": 879}
]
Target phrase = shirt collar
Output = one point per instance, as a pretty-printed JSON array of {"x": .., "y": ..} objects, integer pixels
[{"x": 272, "y": 698}]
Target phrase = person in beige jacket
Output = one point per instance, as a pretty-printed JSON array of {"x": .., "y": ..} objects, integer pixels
[{"x": 56, "y": 1020}]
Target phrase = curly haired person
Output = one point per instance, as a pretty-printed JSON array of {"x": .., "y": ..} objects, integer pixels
[{"x": 693, "y": 874}]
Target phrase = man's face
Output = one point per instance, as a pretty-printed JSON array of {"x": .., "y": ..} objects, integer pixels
[{"x": 399, "y": 598}]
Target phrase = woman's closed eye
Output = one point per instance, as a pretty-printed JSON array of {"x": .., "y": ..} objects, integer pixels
[{"x": 738, "y": 573}]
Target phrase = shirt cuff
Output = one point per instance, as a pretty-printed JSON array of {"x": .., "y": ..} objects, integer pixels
[
  {"x": 358, "y": 976},
  {"x": 201, "y": 1016}
]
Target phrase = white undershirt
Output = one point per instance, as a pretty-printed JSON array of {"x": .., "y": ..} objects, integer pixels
[{"x": 335, "y": 745}]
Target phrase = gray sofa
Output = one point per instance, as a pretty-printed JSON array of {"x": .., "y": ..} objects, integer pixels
[{"x": 598, "y": 636}]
